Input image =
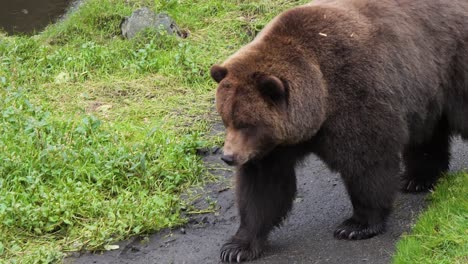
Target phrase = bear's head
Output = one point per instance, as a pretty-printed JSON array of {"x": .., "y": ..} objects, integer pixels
[{"x": 266, "y": 101}]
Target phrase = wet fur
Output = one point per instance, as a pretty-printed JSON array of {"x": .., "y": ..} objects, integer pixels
[{"x": 369, "y": 83}]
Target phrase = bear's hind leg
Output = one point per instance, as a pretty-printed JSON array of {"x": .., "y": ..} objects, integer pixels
[
  {"x": 372, "y": 193},
  {"x": 265, "y": 192},
  {"x": 426, "y": 162}
]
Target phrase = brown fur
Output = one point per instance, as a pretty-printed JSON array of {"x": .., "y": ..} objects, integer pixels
[{"x": 359, "y": 83}]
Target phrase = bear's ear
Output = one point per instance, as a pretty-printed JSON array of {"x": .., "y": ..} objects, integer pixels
[
  {"x": 218, "y": 73},
  {"x": 272, "y": 87}
]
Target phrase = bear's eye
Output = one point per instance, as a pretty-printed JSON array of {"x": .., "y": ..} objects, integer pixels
[
  {"x": 241, "y": 125},
  {"x": 226, "y": 85}
]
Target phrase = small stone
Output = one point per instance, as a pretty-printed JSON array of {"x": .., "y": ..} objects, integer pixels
[
  {"x": 111, "y": 247},
  {"x": 182, "y": 231}
]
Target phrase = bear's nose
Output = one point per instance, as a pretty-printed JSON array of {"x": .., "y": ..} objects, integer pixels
[{"x": 229, "y": 159}]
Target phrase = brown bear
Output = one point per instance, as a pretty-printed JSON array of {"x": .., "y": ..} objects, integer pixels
[{"x": 363, "y": 85}]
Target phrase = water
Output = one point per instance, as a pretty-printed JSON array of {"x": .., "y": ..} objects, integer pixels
[{"x": 29, "y": 16}]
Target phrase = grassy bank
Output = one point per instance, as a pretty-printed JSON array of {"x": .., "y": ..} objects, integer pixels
[
  {"x": 98, "y": 135},
  {"x": 440, "y": 235}
]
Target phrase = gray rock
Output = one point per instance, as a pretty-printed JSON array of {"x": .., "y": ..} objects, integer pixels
[{"x": 144, "y": 18}]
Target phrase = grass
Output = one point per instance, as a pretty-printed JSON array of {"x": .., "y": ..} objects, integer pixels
[
  {"x": 98, "y": 135},
  {"x": 440, "y": 235}
]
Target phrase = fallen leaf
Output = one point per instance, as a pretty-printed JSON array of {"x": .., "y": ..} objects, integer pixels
[{"x": 111, "y": 247}]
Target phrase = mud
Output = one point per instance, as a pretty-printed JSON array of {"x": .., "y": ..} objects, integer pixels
[{"x": 306, "y": 237}]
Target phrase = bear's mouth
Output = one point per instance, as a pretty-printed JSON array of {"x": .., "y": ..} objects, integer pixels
[
  {"x": 233, "y": 159},
  {"x": 229, "y": 160}
]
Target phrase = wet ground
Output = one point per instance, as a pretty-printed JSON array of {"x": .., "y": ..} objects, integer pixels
[
  {"x": 306, "y": 236},
  {"x": 27, "y": 16}
]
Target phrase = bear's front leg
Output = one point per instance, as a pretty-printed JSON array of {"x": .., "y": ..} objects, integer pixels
[
  {"x": 372, "y": 192},
  {"x": 264, "y": 190}
]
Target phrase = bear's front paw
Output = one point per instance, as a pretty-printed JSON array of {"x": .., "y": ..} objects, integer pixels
[
  {"x": 351, "y": 229},
  {"x": 237, "y": 250},
  {"x": 416, "y": 185}
]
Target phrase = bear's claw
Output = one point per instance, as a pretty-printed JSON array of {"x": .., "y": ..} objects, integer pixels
[
  {"x": 238, "y": 251},
  {"x": 352, "y": 230},
  {"x": 414, "y": 186}
]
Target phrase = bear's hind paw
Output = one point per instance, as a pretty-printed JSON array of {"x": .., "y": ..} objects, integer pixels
[
  {"x": 352, "y": 230},
  {"x": 237, "y": 251}
]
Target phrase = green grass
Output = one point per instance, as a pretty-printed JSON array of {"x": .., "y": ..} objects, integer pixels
[
  {"x": 98, "y": 135},
  {"x": 441, "y": 233}
]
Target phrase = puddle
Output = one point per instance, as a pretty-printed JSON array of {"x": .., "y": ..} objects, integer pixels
[{"x": 29, "y": 16}]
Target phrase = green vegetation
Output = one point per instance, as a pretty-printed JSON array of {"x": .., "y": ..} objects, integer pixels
[
  {"x": 441, "y": 234},
  {"x": 98, "y": 135}
]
